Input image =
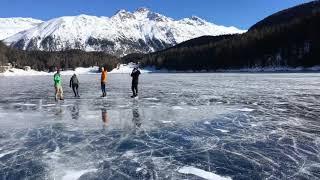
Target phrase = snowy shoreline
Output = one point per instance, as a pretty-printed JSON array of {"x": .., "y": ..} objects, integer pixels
[
  {"x": 127, "y": 68},
  {"x": 122, "y": 69}
]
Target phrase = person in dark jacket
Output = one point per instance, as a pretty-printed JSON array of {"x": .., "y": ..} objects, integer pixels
[
  {"x": 135, "y": 80},
  {"x": 74, "y": 83}
]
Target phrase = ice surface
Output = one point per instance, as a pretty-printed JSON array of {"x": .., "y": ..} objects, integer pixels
[{"x": 238, "y": 126}]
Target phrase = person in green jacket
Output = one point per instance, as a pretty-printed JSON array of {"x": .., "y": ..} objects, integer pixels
[{"x": 58, "y": 85}]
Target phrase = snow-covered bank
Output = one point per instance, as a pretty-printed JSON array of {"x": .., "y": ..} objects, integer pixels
[
  {"x": 21, "y": 72},
  {"x": 123, "y": 68},
  {"x": 272, "y": 69},
  {"x": 127, "y": 68}
]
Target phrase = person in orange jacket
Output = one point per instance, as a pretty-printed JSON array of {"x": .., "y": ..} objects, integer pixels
[{"x": 103, "y": 81}]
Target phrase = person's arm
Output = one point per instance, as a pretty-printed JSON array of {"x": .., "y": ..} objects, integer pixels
[
  {"x": 106, "y": 76},
  {"x": 55, "y": 78}
]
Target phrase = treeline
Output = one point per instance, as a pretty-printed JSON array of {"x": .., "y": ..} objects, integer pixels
[
  {"x": 293, "y": 43},
  {"x": 43, "y": 61}
]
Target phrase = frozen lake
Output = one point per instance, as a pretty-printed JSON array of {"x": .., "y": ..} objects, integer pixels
[{"x": 183, "y": 126}]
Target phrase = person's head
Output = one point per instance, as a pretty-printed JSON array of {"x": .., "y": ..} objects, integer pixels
[
  {"x": 102, "y": 69},
  {"x": 74, "y": 74},
  {"x": 58, "y": 70}
]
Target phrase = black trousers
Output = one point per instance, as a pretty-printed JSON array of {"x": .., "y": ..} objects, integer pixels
[
  {"x": 134, "y": 88},
  {"x": 103, "y": 88},
  {"x": 75, "y": 89}
]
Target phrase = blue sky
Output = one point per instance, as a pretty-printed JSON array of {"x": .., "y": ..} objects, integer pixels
[{"x": 239, "y": 13}]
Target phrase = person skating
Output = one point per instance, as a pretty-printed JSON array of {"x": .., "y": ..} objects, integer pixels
[
  {"x": 58, "y": 85},
  {"x": 103, "y": 81},
  {"x": 74, "y": 83},
  {"x": 135, "y": 80}
]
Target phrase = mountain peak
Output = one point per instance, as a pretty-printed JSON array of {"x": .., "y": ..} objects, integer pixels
[
  {"x": 194, "y": 20},
  {"x": 142, "y": 10},
  {"x": 121, "y": 11},
  {"x": 198, "y": 20},
  {"x": 123, "y": 14}
]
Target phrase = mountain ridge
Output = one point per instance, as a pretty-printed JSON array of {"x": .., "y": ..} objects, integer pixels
[
  {"x": 11, "y": 26},
  {"x": 141, "y": 31}
]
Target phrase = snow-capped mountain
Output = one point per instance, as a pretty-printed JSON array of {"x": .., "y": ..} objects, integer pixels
[
  {"x": 124, "y": 33},
  {"x": 11, "y": 26}
]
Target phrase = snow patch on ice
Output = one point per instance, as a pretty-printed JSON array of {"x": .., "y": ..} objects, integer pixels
[
  {"x": 138, "y": 169},
  {"x": 74, "y": 175},
  {"x": 152, "y": 99},
  {"x": 25, "y": 104},
  {"x": 6, "y": 153},
  {"x": 48, "y": 105},
  {"x": 201, "y": 173},
  {"x": 246, "y": 110},
  {"x": 223, "y": 130},
  {"x": 177, "y": 108},
  {"x": 66, "y": 105},
  {"x": 128, "y": 154},
  {"x": 166, "y": 122}
]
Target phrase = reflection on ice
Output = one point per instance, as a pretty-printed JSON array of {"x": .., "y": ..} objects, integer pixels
[{"x": 224, "y": 126}]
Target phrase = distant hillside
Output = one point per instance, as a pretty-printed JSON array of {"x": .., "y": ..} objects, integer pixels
[
  {"x": 283, "y": 17},
  {"x": 293, "y": 42},
  {"x": 136, "y": 57}
]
